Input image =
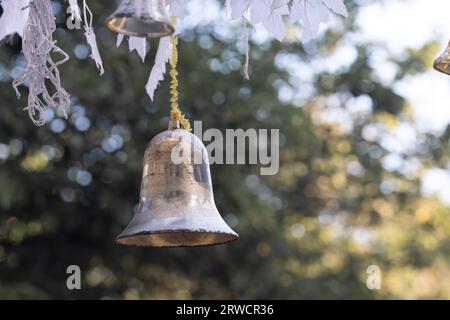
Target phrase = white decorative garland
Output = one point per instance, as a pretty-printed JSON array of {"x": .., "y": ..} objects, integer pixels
[
  {"x": 37, "y": 47},
  {"x": 20, "y": 17}
]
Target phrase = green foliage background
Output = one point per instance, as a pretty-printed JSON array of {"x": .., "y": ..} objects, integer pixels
[{"x": 300, "y": 230}]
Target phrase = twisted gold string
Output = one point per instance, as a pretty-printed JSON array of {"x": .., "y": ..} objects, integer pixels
[{"x": 175, "y": 112}]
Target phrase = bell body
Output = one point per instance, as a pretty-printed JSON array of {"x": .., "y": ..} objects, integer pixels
[
  {"x": 141, "y": 18},
  {"x": 442, "y": 63},
  {"x": 176, "y": 206}
]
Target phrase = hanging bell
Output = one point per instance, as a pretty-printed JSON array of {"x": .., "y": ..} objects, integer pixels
[
  {"x": 176, "y": 207},
  {"x": 141, "y": 18},
  {"x": 442, "y": 63}
]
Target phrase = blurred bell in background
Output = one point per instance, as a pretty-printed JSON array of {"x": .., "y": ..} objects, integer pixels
[
  {"x": 141, "y": 18},
  {"x": 442, "y": 63}
]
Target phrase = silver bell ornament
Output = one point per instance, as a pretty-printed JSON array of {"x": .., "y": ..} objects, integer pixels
[{"x": 176, "y": 207}]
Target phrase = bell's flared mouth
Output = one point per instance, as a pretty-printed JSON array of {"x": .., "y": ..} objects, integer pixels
[
  {"x": 442, "y": 66},
  {"x": 134, "y": 27},
  {"x": 178, "y": 238}
]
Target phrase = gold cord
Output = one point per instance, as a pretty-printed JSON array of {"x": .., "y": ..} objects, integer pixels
[{"x": 175, "y": 112}]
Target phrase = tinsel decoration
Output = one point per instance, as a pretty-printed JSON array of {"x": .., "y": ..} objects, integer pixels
[
  {"x": 175, "y": 112},
  {"x": 38, "y": 46}
]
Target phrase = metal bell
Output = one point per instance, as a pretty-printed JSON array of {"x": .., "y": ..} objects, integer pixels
[
  {"x": 176, "y": 207},
  {"x": 141, "y": 18},
  {"x": 442, "y": 63}
]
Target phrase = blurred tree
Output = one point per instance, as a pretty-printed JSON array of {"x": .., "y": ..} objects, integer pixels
[{"x": 311, "y": 231}]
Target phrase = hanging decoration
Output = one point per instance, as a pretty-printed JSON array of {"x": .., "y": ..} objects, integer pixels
[
  {"x": 14, "y": 18},
  {"x": 175, "y": 113},
  {"x": 442, "y": 63},
  {"x": 310, "y": 14},
  {"x": 37, "y": 47},
  {"x": 34, "y": 21},
  {"x": 159, "y": 68},
  {"x": 90, "y": 37},
  {"x": 139, "y": 20},
  {"x": 247, "y": 50},
  {"x": 75, "y": 10},
  {"x": 270, "y": 14},
  {"x": 176, "y": 207},
  {"x": 138, "y": 44}
]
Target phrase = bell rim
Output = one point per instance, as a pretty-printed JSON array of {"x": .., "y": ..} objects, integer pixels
[
  {"x": 233, "y": 237},
  {"x": 436, "y": 64},
  {"x": 170, "y": 29}
]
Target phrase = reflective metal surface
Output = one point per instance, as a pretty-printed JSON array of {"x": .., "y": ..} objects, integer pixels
[
  {"x": 176, "y": 206},
  {"x": 141, "y": 18},
  {"x": 442, "y": 63}
]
